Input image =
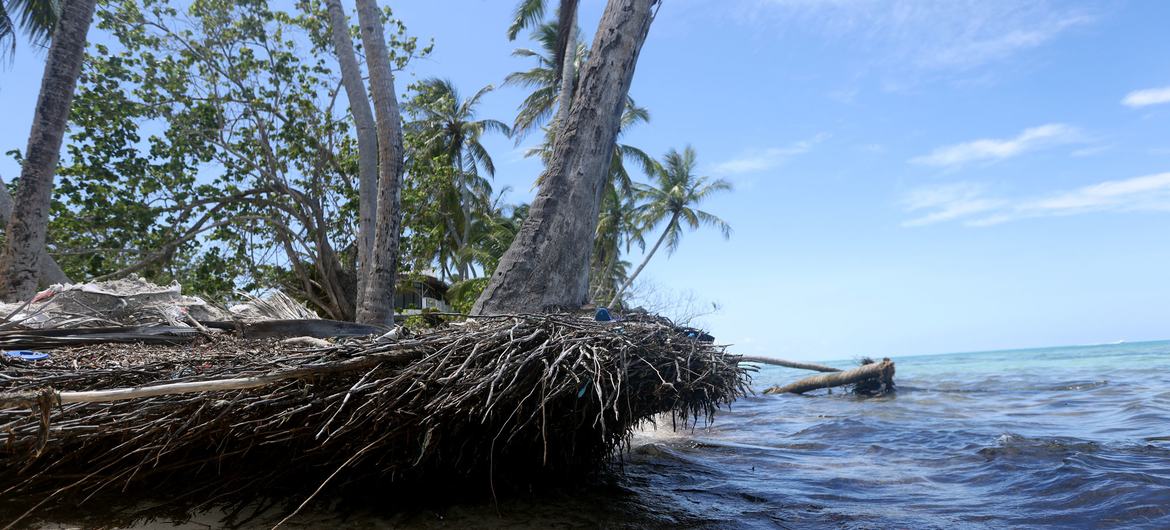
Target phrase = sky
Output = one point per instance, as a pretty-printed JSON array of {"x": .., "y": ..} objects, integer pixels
[{"x": 911, "y": 177}]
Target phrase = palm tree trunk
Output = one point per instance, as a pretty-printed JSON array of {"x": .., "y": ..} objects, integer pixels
[
  {"x": 378, "y": 304},
  {"x": 367, "y": 140},
  {"x": 25, "y": 237},
  {"x": 568, "y": 66},
  {"x": 547, "y": 265},
  {"x": 629, "y": 281},
  {"x": 465, "y": 255},
  {"x": 49, "y": 271}
]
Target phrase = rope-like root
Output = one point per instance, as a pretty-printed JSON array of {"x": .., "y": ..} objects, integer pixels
[{"x": 532, "y": 394}]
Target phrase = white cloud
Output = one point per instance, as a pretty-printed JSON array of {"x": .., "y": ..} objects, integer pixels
[
  {"x": 970, "y": 203},
  {"x": 953, "y": 34},
  {"x": 948, "y": 202},
  {"x": 978, "y": 49},
  {"x": 764, "y": 159},
  {"x": 1149, "y": 96},
  {"x": 997, "y": 149}
]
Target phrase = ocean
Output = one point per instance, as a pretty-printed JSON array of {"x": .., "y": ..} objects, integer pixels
[{"x": 1069, "y": 437}]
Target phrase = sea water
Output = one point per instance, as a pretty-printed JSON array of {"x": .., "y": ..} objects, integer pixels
[{"x": 1070, "y": 437}]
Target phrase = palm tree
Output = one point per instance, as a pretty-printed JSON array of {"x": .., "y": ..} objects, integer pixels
[
  {"x": 547, "y": 265},
  {"x": 448, "y": 128},
  {"x": 618, "y": 226},
  {"x": 674, "y": 197},
  {"x": 24, "y": 245},
  {"x": 37, "y": 18},
  {"x": 544, "y": 79},
  {"x": 529, "y": 13}
]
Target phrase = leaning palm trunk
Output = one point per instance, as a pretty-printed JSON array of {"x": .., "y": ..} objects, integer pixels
[
  {"x": 547, "y": 264},
  {"x": 48, "y": 269},
  {"x": 377, "y": 305},
  {"x": 629, "y": 281},
  {"x": 24, "y": 242},
  {"x": 367, "y": 140}
]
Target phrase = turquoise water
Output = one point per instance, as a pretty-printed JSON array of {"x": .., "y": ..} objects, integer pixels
[{"x": 1073, "y": 437}]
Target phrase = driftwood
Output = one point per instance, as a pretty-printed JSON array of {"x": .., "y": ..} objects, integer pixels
[
  {"x": 881, "y": 371},
  {"x": 788, "y": 364}
]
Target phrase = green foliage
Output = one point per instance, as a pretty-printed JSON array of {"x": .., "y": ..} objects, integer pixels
[
  {"x": 206, "y": 148},
  {"x": 462, "y": 295},
  {"x": 454, "y": 221},
  {"x": 674, "y": 195},
  {"x": 36, "y": 18}
]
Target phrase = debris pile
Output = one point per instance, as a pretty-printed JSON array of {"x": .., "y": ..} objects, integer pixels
[{"x": 487, "y": 400}]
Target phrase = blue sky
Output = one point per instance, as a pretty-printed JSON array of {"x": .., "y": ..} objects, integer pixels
[{"x": 911, "y": 176}]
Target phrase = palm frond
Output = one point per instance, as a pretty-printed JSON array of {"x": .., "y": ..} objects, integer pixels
[
  {"x": 469, "y": 104},
  {"x": 36, "y": 18},
  {"x": 709, "y": 219},
  {"x": 496, "y": 126},
  {"x": 528, "y": 13},
  {"x": 480, "y": 155}
]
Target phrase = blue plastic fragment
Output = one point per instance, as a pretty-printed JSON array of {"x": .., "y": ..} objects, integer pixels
[
  {"x": 27, "y": 355},
  {"x": 602, "y": 315}
]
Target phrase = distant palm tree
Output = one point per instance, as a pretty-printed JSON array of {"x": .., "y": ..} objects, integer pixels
[
  {"x": 36, "y": 18},
  {"x": 544, "y": 79},
  {"x": 618, "y": 227},
  {"x": 673, "y": 198},
  {"x": 528, "y": 14},
  {"x": 448, "y": 127}
]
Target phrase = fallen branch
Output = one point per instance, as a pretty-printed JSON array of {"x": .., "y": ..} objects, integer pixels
[
  {"x": 20, "y": 399},
  {"x": 788, "y": 364},
  {"x": 883, "y": 370}
]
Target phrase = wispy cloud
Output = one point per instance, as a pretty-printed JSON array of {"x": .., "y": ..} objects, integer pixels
[
  {"x": 764, "y": 159},
  {"x": 947, "y": 202},
  {"x": 957, "y": 34},
  {"x": 970, "y": 204},
  {"x": 1149, "y": 96},
  {"x": 988, "y": 149}
]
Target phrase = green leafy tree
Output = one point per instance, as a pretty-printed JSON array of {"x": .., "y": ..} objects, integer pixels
[
  {"x": 208, "y": 147},
  {"x": 674, "y": 198}
]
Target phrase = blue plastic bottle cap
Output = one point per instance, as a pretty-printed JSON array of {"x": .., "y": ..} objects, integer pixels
[{"x": 27, "y": 355}]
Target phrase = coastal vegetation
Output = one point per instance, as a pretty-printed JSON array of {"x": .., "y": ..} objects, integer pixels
[{"x": 209, "y": 143}]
